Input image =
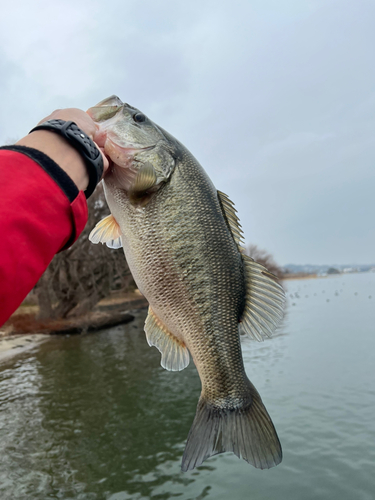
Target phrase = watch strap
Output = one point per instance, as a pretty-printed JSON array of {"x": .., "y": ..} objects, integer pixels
[{"x": 83, "y": 144}]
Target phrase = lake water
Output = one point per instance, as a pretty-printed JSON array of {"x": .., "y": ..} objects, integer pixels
[{"x": 96, "y": 417}]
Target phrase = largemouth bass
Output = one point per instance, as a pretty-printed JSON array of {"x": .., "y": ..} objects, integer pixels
[{"x": 182, "y": 242}]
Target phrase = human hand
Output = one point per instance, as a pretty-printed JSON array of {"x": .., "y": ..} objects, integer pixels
[
  {"x": 82, "y": 119},
  {"x": 57, "y": 148}
]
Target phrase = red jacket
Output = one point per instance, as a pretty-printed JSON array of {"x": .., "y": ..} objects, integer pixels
[{"x": 42, "y": 212}]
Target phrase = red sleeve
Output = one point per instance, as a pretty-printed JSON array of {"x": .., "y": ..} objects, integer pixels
[{"x": 37, "y": 219}]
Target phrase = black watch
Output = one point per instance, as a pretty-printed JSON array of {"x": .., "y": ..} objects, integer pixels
[{"x": 83, "y": 144}]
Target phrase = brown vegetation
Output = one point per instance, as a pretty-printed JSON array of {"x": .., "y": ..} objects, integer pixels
[
  {"x": 79, "y": 277},
  {"x": 298, "y": 276},
  {"x": 263, "y": 257}
]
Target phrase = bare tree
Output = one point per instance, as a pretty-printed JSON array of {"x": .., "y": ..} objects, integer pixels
[
  {"x": 264, "y": 258},
  {"x": 82, "y": 275}
]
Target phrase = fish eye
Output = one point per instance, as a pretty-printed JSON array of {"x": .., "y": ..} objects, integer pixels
[{"x": 139, "y": 117}]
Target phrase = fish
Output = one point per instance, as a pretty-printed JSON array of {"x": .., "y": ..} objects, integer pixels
[{"x": 184, "y": 246}]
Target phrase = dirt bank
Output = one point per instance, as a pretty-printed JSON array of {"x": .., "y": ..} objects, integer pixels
[{"x": 108, "y": 312}]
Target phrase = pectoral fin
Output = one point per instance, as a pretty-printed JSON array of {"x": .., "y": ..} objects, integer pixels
[
  {"x": 107, "y": 231},
  {"x": 145, "y": 180},
  {"x": 265, "y": 300},
  {"x": 174, "y": 354}
]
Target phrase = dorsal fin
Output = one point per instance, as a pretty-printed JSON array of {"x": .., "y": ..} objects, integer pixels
[
  {"x": 265, "y": 297},
  {"x": 107, "y": 231},
  {"x": 174, "y": 353},
  {"x": 265, "y": 300},
  {"x": 230, "y": 217}
]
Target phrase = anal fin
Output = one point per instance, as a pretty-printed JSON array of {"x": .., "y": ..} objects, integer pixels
[{"x": 174, "y": 354}]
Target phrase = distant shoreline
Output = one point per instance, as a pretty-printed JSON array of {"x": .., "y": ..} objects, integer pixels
[{"x": 300, "y": 276}]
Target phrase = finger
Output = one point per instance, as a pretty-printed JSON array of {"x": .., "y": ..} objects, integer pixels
[
  {"x": 105, "y": 159},
  {"x": 78, "y": 116}
]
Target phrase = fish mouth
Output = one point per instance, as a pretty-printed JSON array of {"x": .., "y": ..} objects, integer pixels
[
  {"x": 127, "y": 150},
  {"x": 113, "y": 100},
  {"x": 123, "y": 156},
  {"x": 105, "y": 109},
  {"x": 123, "y": 169}
]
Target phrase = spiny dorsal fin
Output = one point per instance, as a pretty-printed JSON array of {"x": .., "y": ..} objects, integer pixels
[
  {"x": 265, "y": 300},
  {"x": 174, "y": 354},
  {"x": 264, "y": 295},
  {"x": 107, "y": 231},
  {"x": 230, "y": 217}
]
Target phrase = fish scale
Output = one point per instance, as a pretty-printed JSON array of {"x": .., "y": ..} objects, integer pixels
[{"x": 181, "y": 241}]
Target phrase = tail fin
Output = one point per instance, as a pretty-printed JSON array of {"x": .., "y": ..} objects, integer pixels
[{"x": 248, "y": 432}]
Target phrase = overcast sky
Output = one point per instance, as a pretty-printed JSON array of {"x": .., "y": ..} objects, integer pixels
[{"x": 275, "y": 98}]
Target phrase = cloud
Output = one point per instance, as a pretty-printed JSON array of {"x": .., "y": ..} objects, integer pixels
[{"x": 275, "y": 98}]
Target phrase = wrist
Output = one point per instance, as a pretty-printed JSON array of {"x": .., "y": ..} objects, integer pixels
[{"x": 59, "y": 150}]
